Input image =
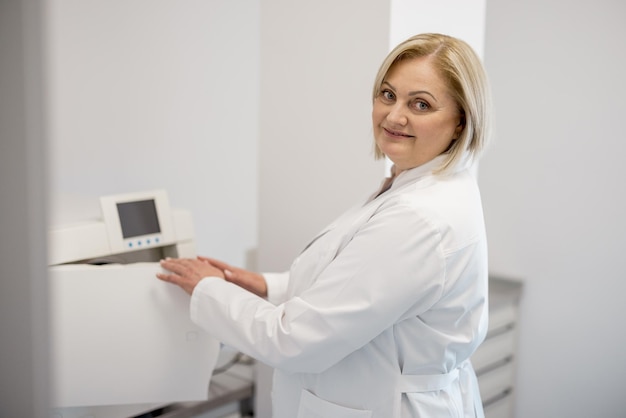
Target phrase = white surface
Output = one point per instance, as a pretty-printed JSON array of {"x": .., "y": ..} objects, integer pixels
[
  {"x": 147, "y": 94},
  {"x": 83, "y": 240},
  {"x": 553, "y": 192},
  {"x": 460, "y": 18},
  {"x": 121, "y": 336},
  {"x": 77, "y": 241},
  {"x": 316, "y": 145}
]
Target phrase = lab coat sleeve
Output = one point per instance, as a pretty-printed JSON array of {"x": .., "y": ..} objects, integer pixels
[
  {"x": 276, "y": 286},
  {"x": 392, "y": 268}
]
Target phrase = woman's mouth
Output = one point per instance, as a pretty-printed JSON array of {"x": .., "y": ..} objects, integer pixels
[{"x": 396, "y": 134}]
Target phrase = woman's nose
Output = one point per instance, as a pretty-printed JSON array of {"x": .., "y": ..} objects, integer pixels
[{"x": 396, "y": 115}]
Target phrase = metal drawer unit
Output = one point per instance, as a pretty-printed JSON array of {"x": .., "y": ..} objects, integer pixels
[{"x": 494, "y": 361}]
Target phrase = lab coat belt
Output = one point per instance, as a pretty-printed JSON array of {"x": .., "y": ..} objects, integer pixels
[{"x": 426, "y": 383}]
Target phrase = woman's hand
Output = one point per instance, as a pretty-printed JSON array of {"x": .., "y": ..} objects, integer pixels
[
  {"x": 253, "y": 282},
  {"x": 187, "y": 272}
]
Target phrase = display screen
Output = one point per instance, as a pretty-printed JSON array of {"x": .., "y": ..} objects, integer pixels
[{"x": 138, "y": 218}]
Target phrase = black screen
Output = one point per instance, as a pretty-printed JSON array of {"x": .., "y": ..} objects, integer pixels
[{"x": 138, "y": 218}]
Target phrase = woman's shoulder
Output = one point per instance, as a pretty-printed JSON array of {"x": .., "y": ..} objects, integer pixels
[
  {"x": 438, "y": 192},
  {"x": 450, "y": 206}
]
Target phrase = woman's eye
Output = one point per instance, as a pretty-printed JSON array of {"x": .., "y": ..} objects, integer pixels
[
  {"x": 387, "y": 95},
  {"x": 421, "y": 105}
]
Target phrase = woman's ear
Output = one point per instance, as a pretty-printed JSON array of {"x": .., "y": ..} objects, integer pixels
[
  {"x": 459, "y": 128},
  {"x": 462, "y": 120}
]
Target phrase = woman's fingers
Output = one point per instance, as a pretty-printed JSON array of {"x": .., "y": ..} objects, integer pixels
[
  {"x": 217, "y": 263},
  {"x": 246, "y": 279},
  {"x": 184, "y": 272},
  {"x": 176, "y": 265}
]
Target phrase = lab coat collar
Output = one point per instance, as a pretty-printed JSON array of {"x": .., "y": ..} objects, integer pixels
[
  {"x": 427, "y": 169},
  {"x": 418, "y": 173}
]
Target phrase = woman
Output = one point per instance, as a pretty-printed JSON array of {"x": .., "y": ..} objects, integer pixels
[{"x": 380, "y": 313}]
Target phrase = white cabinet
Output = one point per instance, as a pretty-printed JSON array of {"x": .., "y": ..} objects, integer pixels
[
  {"x": 494, "y": 361},
  {"x": 122, "y": 341}
]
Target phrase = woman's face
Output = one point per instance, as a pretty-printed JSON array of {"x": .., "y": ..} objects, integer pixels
[{"x": 414, "y": 117}]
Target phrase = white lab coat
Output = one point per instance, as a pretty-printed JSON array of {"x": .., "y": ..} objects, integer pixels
[{"x": 379, "y": 315}]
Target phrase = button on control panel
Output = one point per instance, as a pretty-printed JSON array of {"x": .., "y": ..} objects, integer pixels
[{"x": 143, "y": 242}]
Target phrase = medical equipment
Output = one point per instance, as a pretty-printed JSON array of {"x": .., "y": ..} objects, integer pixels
[{"x": 119, "y": 335}]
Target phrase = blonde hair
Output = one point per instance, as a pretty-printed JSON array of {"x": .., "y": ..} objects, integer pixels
[{"x": 463, "y": 72}]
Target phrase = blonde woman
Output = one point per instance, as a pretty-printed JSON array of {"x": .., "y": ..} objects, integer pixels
[{"x": 380, "y": 313}]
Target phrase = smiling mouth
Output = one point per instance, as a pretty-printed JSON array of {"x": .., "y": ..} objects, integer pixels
[{"x": 396, "y": 134}]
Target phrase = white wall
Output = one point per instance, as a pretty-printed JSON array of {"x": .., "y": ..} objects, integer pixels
[
  {"x": 24, "y": 380},
  {"x": 151, "y": 94},
  {"x": 318, "y": 64},
  {"x": 464, "y": 19},
  {"x": 553, "y": 188}
]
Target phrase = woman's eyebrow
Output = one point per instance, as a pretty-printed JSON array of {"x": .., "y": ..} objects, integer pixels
[
  {"x": 415, "y": 93},
  {"x": 411, "y": 93},
  {"x": 389, "y": 84}
]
